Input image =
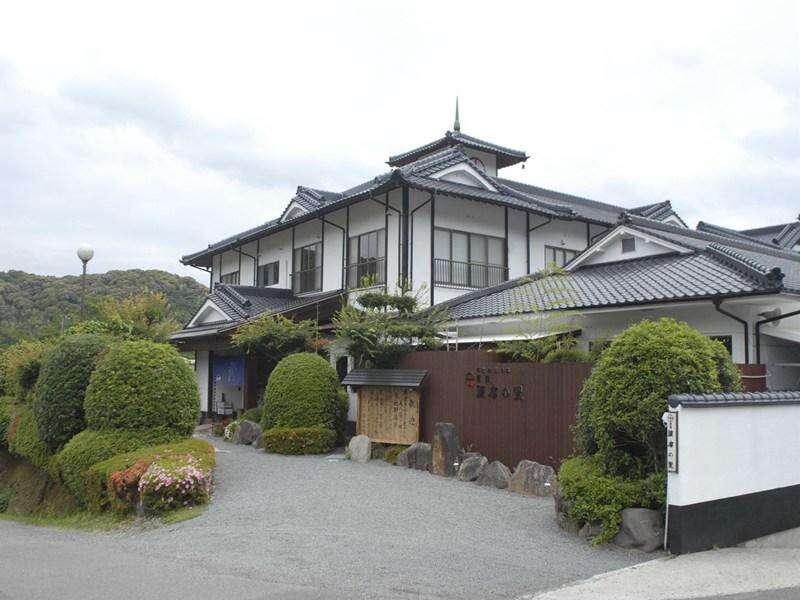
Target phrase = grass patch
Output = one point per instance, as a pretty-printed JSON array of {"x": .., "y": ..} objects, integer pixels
[
  {"x": 82, "y": 520},
  {"x": 183, "y": 514}
]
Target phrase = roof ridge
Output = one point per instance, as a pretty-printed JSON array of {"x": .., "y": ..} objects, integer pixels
[
  {"x": 525, "y": 196},
  {"x": 769, "y": 276},
  {"x": 789, "y": 235},
  {"x": 598, "y": 203},
  {"x": 707, "y": 227},
  {"x": 753, "y": 246}
]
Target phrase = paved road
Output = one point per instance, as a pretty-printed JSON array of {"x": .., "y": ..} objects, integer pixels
[{"x": 313, "y": 528}]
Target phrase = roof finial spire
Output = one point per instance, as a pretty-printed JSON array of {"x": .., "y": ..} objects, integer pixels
[{"x": 456, "y": 123}]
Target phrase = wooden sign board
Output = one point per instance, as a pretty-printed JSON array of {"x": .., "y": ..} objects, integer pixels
[{"x": 389, "y": 415}]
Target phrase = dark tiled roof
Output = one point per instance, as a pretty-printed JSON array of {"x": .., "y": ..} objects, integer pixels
[
  {"x": 505, "y": 156},
  {"x": 411, "y": 378},
  {"x": 659, "y": 211},
  {"x": 583, "y": 207},
  {"x": 784, "y": 236},
  {"x": 733, "y": 399},
  {"x": 770, "y": 257},
  {"x": 647, "y": 280},
  {"x": 724, "y": 231}
]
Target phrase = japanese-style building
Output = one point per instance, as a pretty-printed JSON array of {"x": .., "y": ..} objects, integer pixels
[{"x": 444, "y": 220}]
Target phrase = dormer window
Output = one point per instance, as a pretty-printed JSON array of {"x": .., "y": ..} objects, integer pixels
[{"x": 628, "y": 245}]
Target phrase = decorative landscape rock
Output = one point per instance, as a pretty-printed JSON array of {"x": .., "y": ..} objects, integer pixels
[
  {"x": 495, "y": 474},
  {"x": 471, "y": 468},
  {"x": 641, "y": 528},
  {"x": 247, "y": 433},
  {"x": 532, "y": 479},
  {"x": 416, "y": 456},
  {"x": 446, "y": 450},
  {"x": 590, "y": 530},
  {"x": 360, "y": 448},
  {"x": 563, "y": 506}
]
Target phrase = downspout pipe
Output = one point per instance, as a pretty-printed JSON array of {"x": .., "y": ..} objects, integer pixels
[
  {"x": 745, "y": 325},
  {"x": 764, "y": 322}
]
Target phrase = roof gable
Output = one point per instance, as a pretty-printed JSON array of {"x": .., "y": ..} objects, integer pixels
[
  {"x": 505, "y": 156},
  {"x": 612, "y": 248}
]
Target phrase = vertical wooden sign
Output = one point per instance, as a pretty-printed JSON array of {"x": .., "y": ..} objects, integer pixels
[{"x": 389, "y": 415}]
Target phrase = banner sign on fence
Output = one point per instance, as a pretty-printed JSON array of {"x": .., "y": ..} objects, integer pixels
[{"x": 493, "y": 382}]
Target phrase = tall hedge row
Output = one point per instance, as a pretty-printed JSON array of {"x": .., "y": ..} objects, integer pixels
[
  {"x": 140, "y": 385},
  {"x": 61, "y": 388}
]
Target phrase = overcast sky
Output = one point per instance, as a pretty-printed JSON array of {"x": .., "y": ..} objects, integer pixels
[{"x": 154, "y": 131}]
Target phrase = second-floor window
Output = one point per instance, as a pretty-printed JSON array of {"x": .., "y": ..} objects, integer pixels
[
  {"x": 230, "y": 278},
  {"x": 268, "y": 274},
  {"x": 468, "y": 259},
  {"x": 366, "y": 260},
  {"x": 558, "y": 256},
  {"x": 307, "y": 269}
]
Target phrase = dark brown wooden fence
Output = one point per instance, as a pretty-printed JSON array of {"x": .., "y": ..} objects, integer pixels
[{"x": 508, "y": 411}]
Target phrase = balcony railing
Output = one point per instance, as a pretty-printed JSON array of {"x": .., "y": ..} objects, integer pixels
[
  {"x": 308, "y": 280},
  {"x": 367, "y": 273},
  {"x": 467, "y": 274}
]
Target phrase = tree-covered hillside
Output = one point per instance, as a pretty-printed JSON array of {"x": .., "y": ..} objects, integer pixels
[{"x": 36, "y": 305}]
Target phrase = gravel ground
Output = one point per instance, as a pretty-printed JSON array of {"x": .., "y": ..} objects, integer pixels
[{"x": 315, "y": 527}]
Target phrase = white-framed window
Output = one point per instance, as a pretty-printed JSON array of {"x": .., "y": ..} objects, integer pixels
[
  {"x": 230, "y": 278},
  {"x": 628, "y": 245},
  {"x": 559, "y": 256},
  {"x": 268, "y": 274}
]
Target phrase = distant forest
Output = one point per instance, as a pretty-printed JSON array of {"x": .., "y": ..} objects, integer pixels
[{"x": 38, "y": 305}]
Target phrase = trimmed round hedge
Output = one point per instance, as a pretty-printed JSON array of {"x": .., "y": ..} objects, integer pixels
[
  {"x": 140, "y": 385},
  {"x": 301, "y": 392},
  {"x": 91, "y": 447},
  {"x": 619, "y": 417},
  {"x": 61, "y": 388},
  {"x": 23, "y": 439}
]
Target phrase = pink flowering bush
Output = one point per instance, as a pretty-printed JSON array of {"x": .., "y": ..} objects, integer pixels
[{"x": 176, "y": 483}]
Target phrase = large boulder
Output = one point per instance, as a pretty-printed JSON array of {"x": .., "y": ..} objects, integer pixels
[
  {"x": 495, "y": 474},
  {"x": 532, "y": 479},
  {"x": 416, "y": 456},
  {"x": 641, "y": 528},
  {"x": 360, "y": 448},
  {"x": 446, "y": 450},
  {"x": 246, "y": 433},
  {"x": 471, "y": 468}
]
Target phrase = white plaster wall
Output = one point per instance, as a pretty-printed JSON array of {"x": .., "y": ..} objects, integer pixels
[
  {"x": 278, "y": 247},
  {"x": 229, "y": 262},
  {"x": 613, "y": 251},
  {"x": 247, "y": 275},
  {"x": 332, "y": 268},
  {"x": 730, "y": 451},
  {"x": 420, "y": 244},
  {"x": 517, "y": 256},
  {"x": 489, "y": 160},
  {"x": 561, "y": 234},
  {"x": 201, "y": 375}
]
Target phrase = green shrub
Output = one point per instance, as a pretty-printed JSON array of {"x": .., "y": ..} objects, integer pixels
[
  {"x": 6, "y": 412},
  {"x": 178, "y": 480},
  {"x": 567, "y": 355},
  {"x": 60, "y": 390},
  {"x": 624, "y": 397},
  {"x": 254, "y": 415},
  {"x": 342, "y": 407},
  {"x": 598, "y": 498},
  {"x": 140, "y": 385},
  {"x": 299, "y": 440},
  {"x": 90, "y": 447},
  {"x": 19, "y": 368},
  {"x": 301, "y": 392},
  {"x": 5, "y": 498},
  {"x": 114, "y": 482},
  {"x": 23, "y": 439}
]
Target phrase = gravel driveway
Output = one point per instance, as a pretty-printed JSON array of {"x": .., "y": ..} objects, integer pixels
[{"x": 314, "y": 527}]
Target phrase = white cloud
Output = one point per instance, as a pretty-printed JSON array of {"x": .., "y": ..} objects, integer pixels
[{"x": 153, "y": 132}]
